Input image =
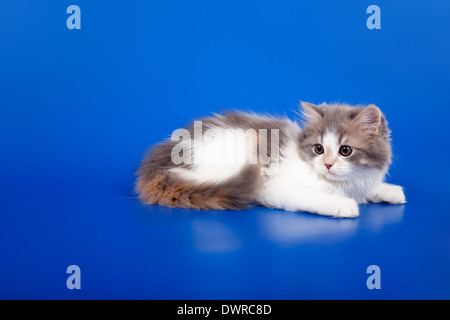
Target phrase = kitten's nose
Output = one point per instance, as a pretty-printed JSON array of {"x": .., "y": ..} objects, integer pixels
[{"x": 328, "y": 166}]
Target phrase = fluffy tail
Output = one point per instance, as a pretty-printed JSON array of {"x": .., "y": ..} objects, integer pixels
[
  {"x": 164, "y": 189},
  {"x": 155, "y": 185}
]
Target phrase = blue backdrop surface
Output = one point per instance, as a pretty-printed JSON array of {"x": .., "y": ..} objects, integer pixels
[{"x": 78, "y": 109}]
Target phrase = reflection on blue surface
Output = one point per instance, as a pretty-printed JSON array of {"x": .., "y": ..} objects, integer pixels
[
  {"x": 78, "y": 109},
  {"x": 214, "y": 237},
  {"x": 293, "y": 228},
  {"x": 288, "y": 229}
]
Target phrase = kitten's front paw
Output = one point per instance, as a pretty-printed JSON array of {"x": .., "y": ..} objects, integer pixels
[
  {"x": 341, "y": 208},
  {"x": 388, "y": 193}
]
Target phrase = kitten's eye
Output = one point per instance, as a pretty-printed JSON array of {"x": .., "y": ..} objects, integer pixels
[
  {"x": 318, "y": 149},
  {"x": 345, "y": 151}
]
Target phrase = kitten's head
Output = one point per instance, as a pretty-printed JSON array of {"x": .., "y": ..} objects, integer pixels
[{"x": 342, "y": 142}]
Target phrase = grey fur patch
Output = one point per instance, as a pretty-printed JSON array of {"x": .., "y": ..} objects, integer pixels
[{"x": 245, "y": 121}]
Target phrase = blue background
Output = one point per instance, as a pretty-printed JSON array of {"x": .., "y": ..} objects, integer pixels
[{"x": 78, "y": 109}]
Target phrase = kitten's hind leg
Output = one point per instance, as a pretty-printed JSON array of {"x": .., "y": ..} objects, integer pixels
[
  {"x": 309, "y": 200},
  {"x": 387, "y": 193}
]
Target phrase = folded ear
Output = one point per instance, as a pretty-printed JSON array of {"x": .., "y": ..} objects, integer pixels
[
  {"x": 310, "y": 111},
  {"x": 369, "y": 118}
]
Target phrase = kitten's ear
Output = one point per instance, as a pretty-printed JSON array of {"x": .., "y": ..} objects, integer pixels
[
  {"x": 310, "y": 111},
  {"x": 369, "y": 118}
]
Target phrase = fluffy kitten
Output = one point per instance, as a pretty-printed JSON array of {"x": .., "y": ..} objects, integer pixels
[{"x": 336, "y": 161}]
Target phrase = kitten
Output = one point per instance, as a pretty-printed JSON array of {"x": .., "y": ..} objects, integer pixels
[{"x": 337, "y": 160}]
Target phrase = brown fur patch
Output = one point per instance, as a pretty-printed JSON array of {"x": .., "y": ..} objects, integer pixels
[{"x": 165, "y": 190}]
